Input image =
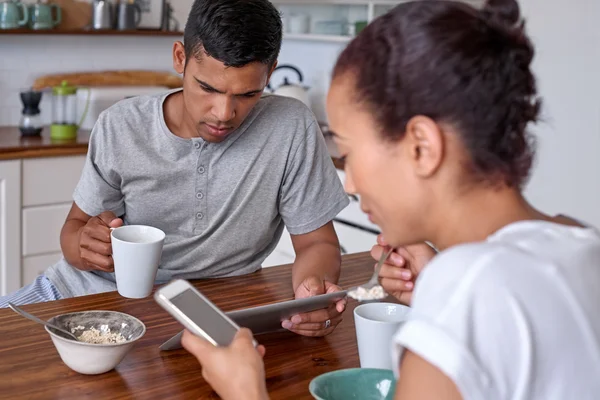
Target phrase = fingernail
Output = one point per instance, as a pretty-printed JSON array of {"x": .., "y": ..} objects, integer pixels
[
  {"x": 406, "y": 274},
  {"x": 286, "y": 324},
  {"x": 409, "y": 285},
  {"x": 397, "y": 259},
  {"x": 296, "y": 319}
]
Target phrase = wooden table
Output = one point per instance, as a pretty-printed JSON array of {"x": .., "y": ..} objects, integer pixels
[{"x": 30, "y": 367}]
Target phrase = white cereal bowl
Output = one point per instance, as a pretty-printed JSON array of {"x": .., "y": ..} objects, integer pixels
[{"x": 89, "y": 358}]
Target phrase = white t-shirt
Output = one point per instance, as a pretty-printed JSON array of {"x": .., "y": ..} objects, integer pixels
[{"x": 514, "y": 317}]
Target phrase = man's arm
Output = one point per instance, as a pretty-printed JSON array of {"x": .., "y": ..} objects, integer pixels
[
  {"x": 85, "y": 240},
  {"x": 316, "y": 271},
  {"x": 317, "y": 254}
]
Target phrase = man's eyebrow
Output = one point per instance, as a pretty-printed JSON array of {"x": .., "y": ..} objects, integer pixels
[
  {"x": 212, "y": 89},
  {"x": 207, "y": 86}
]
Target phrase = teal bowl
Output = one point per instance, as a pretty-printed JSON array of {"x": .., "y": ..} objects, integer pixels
[{"x": 354, "y": 383}]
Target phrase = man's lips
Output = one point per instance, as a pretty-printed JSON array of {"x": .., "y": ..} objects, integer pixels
[{"x": 217, "y": 130}]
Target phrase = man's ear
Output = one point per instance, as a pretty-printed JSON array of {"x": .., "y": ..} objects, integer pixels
[
  {"x": 178, "y": 57},
  {"x": 271, "y": 72}
]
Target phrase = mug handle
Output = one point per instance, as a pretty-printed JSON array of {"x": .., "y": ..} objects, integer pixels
[
  {"x": 87, "y": 105},
  {"x": 138, "y": 15},
  {"x": 25, "y": 14},
  {"x": 58, "y": 19}
]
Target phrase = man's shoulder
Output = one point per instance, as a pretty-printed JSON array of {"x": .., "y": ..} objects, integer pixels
[
  {"x": 122, "y": 120},
  {"x": 143, "y": 106},
  {"x": 284, "y": 112}
]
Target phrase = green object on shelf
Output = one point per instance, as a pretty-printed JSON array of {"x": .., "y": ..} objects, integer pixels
[
  {"x": 64, "y": 89},
  {"x": 359, "y": 26},
  {"x": 63, "y": 132}
]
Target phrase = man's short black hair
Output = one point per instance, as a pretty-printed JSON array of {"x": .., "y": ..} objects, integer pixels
[{"x": 235, "y": 32}]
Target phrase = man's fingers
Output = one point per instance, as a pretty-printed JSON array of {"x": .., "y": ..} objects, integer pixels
[
  {"x": 340, "y": 306},
  {"x": 316, "y": 316},
  {"x": 115, "y": 223},
  {"x": 315, "y": 326},
  {"x": 107, "y": 217},
  {"x": 94, "y": 259},
  {"x": 96, "y": 246}
]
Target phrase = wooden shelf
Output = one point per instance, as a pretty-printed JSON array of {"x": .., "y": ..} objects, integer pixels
[{"x": 83, "y": 32}]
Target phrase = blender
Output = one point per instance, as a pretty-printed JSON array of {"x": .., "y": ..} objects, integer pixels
[
  {"x": 31, "y": 121},
  {"x": 65, "y": 123}
]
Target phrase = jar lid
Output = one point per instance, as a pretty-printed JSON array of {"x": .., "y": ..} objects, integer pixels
[{"x": 64, "y": 89}]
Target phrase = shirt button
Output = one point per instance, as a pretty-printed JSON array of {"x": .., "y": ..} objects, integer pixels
[
  {"x": 197, "y": 145},
  {"x": 199, "y": 195},
  {"x": 199, "y": 215},
  {"x": 201, "y": 170}
]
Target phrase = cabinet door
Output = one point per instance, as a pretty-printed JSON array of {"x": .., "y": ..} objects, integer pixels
[
  {"x": 50, "y": 180},
  {"x": 41, "y": 228},
  {"x": 10, "y": 226}
]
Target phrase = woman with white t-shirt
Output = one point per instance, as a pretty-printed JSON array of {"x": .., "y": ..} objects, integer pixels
[{"x": 429, "y": 105}]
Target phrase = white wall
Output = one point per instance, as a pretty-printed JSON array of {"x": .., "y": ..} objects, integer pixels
[{"x": 567, "y": 65}]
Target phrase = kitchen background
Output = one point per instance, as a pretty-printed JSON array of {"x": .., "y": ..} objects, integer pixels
[{"x": 567, "y": 64}]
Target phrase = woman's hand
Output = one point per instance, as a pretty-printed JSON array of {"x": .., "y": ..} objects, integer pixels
[
  {"x": 400, "y": 271},
  {"x": 234, "y": 372}
]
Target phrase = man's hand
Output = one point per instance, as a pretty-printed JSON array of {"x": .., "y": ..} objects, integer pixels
[
  {"x": 316, "y": 323},
  {"x": 234, "y": 372},
  {"x": 95, "y": 248},
  {"x": 400, "y": 271}
]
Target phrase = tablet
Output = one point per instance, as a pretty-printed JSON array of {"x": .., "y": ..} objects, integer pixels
[{"x": 268, "y": 318}]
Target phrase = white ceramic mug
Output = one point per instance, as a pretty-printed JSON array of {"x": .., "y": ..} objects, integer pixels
[
  {"x": 376, "y": 324},
  {"x": 136, "y": 251}
]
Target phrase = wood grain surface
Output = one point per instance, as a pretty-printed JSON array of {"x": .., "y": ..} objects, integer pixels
[
  {"x": 30, "y": 367},
  {"x": 13, "y": 145}
]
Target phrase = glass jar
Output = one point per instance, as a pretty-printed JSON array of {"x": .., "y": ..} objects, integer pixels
[{"x": 64, "y": 112}]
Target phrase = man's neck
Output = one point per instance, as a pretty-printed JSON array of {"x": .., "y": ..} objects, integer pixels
[{"x": 176, "y": 117}]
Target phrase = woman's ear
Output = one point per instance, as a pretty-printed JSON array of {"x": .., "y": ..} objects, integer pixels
[{"x": 424, "y": 141}]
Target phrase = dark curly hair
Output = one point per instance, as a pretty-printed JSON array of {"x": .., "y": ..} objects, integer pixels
[{"x": 455, "y": 64}]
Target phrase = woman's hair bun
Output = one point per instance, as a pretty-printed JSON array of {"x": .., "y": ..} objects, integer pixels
[{"x": 506, "y": 12}]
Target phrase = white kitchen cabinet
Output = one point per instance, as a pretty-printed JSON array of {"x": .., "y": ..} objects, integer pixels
[
  {"x": 10, "y": 225},
  {"x": 50, "y": 180},
  {"x": 41, "y": 228},
  {"x": 35, "y": 198}
]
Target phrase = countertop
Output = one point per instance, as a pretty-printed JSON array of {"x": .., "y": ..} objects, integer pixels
[{"x": 13, "y": 146}]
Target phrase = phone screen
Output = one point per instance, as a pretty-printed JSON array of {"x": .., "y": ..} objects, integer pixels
[{"x": 205, "y": 316}]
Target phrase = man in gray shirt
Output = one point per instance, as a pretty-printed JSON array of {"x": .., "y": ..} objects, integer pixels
[{"x": 219, "y": 167}]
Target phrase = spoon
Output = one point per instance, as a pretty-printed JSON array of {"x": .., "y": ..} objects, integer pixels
[
  {"x": 373, "y": 282},
  {"x": 25, "y": 314}
]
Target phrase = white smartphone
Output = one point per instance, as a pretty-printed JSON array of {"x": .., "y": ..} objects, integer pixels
[{"x": 196, "y": 313}]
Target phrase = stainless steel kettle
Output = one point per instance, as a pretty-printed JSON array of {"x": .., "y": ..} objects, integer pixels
[{"x": 297, "y": 91}]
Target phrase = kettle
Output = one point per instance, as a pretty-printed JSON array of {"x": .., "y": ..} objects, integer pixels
[{"x": 297, "y": 91}]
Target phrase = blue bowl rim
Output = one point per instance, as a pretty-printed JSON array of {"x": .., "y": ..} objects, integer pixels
[{"x": 315, "y": 380}]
